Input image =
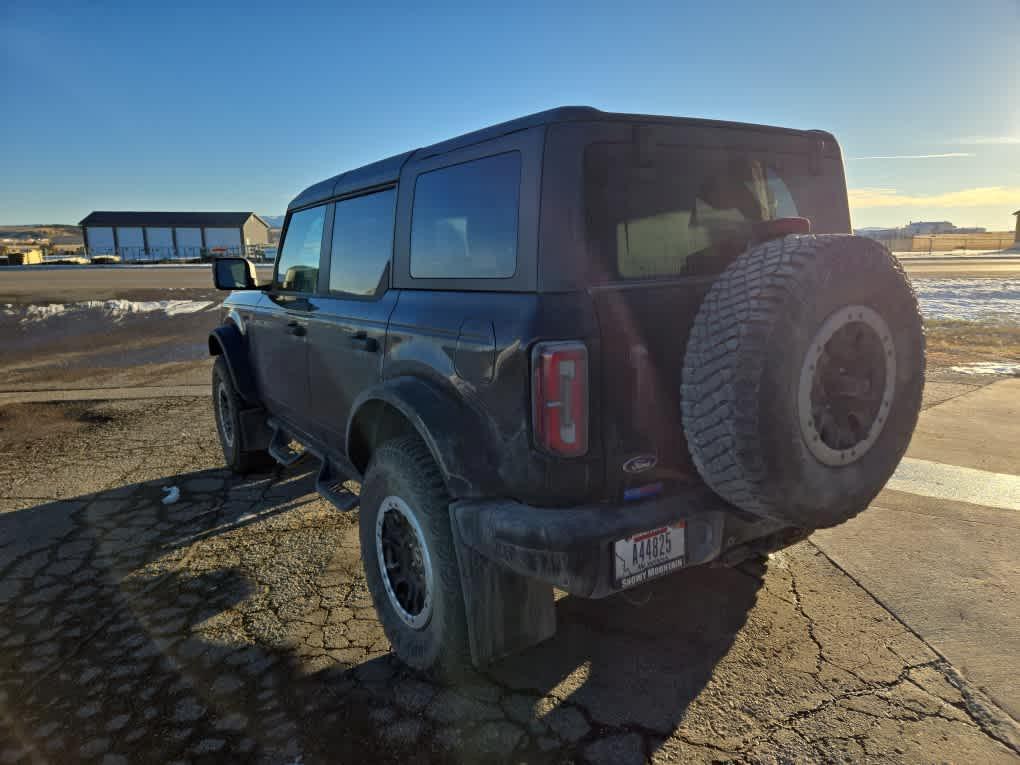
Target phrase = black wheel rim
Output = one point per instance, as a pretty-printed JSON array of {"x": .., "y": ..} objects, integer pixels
[
  {"x": 846, "y": 386},
  {"x": 225, "y": 411},
  {"x": 404, "y": 562}
]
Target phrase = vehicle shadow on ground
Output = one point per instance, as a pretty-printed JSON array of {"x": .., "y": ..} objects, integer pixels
[{"x": 155, "y": 631}]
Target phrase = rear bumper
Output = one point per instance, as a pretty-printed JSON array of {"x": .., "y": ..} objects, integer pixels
[{"x": 571, "y": 548}]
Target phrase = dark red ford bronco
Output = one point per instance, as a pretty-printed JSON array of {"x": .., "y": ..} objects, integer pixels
[{"x": 578, "y": 350}]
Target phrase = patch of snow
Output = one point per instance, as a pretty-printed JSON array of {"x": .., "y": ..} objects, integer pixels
[
  {"x": 994, "y": 300},
  {"x": 989, "y": 368},
  {"x": 172, "y": 494},
  {"x": 112, "y": 309}
]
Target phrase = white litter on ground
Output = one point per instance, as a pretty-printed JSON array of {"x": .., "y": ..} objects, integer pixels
[
  {"x": 995, "y": 300},
  {"x": 172, "y": 494},
  {"x": 989, "y": 368},
  {"x": 112, "y": 309}
]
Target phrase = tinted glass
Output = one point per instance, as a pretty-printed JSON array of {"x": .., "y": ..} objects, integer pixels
[
  {"x": 362, "y": 243},
  {"x": 686, "y": 211},
  {"x": 298, "y": 265},
  {"x": 464, "y": 223}
]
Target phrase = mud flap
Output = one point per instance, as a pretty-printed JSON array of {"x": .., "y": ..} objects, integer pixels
[
  {"x": 257, "y": 433},
  {"x": 506, "y": 612}
]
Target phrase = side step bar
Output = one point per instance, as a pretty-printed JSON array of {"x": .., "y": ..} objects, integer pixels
[
  {"x": 331, "y": 478},
  {"x": 279, "y": 446},
  {"x": 330, "y": 484}
]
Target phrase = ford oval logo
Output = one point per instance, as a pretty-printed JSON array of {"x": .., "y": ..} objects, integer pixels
[{"x": 640, "y": 463}]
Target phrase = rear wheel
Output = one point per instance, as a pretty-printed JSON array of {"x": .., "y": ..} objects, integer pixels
[
  {"x": 803, "y": 378},
  {"x": 410, "y": 562},
  {"x": 227, "y": 406}
]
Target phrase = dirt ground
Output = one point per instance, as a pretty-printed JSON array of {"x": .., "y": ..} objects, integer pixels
[
  {"x": 235, "y": 624},
  {"x": 965, "y": 342}
]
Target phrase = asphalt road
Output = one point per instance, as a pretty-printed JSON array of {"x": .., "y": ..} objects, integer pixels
[
  {"x": 68, "y": 283},
  {"x": 236, "y": 624},
  {"x": 62, "y": 283},
  {"x": 939, "y": 545}
]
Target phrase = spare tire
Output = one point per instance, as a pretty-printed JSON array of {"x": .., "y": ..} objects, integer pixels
[{"x": 803, "y": 377}]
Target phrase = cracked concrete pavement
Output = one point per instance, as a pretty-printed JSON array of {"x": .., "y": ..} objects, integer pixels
[{"x": 235, "y": 624}]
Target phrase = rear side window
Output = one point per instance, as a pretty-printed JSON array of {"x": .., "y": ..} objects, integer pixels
[
  {"x": 362, "y": 244},
  {"x": 464, "y": 220},
  {"x": 688, "y": 209},
  {"x": 297, "y": 268}
]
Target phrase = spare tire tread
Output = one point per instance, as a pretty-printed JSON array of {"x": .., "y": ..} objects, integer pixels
[{"x": 728, "y": 350}]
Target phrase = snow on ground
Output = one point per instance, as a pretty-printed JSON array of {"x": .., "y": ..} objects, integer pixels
[
  {"x": 112, "y": 309},
  {"x": 989, "y": 368},
  {"x": 995, "y": 300}
]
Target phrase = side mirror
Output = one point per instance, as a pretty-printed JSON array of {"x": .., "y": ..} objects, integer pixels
[{"x": 234, "y": 274}]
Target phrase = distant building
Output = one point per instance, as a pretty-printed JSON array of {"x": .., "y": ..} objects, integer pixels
[
  {"x": 1017, "y": 235},
  {"x": 169, "y": 235},
  {"x": 925, "y": 228}
]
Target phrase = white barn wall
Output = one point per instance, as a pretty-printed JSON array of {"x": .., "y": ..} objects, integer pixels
[
  {"x": 189, "y": 242},
  {"x": 161, "y": 242},
  {"x": 99, "y": 240},
  {"x": 130, "y": 242},
  {"x": 228, "y": 238}
]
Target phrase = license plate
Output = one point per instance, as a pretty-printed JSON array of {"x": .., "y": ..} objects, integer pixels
[{"x": 648, "y": 555}]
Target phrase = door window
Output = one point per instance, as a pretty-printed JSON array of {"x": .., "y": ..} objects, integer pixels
[
  {"x": 464, "y": 221},
  {"x": 297, "y": 267},
  {"x": 362, "y": 244}
]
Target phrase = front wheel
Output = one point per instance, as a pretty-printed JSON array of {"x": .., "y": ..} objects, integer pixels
[
  {"x": 227, "y": 405},
  {"x": 410, "y": 562}
]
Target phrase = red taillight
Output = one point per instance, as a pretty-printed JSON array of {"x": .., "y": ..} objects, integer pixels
[{"x": 559, "y": 397}]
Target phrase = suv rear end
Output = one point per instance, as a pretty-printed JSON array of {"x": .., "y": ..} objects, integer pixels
[{"x": 643, "y": 214}]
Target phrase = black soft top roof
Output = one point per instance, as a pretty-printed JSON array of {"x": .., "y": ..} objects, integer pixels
[{"x": 388, "y": 170}]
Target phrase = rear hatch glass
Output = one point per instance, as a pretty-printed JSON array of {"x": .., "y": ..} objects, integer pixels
[{"x": 687, "y": 209}]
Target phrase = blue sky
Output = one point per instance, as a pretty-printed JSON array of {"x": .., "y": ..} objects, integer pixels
[{"x": 217, "y": 106}]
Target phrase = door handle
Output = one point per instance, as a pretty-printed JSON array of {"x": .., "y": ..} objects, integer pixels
[
  {"x": 363, "y": 342},
  {"x": 296, "y": 328}
]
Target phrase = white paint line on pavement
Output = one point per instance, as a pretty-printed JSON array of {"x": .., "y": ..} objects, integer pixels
[{"x": 960, "y": 484}]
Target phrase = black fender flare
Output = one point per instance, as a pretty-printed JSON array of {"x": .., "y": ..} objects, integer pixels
[
  {"x": 228, "y": 342},
  {"x": 460, "y": 439}
]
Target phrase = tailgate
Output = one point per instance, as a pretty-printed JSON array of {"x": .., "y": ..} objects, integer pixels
[{"x": 644, "y": 334}]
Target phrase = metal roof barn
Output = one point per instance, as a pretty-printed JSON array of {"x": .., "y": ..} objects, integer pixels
[{"x": 151, "y": 236}]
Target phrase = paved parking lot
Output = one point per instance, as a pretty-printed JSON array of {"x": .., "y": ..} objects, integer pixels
[{"x": 235, "y": 625}]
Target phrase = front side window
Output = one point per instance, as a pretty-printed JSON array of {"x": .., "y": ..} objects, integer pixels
[
  {"x": 464, "y": 220},
  {"x": 297, "y": 267},
  {"x": 362, "y": 244}
]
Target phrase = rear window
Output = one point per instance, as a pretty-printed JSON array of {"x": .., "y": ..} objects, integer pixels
[
  {"x": 464, "y": 221},
  {"x": 362, "y": 244},
  {"x": 684, "y": 209}
]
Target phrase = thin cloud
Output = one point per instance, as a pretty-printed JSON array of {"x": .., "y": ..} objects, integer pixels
[
  {"x": 988, "y": 196},
  {"x": 988, "y": 140},
  {"x": 947, "y": 155}
]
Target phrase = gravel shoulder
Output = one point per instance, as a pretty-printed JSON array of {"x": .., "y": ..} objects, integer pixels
[{"x": 235, "y": 624}]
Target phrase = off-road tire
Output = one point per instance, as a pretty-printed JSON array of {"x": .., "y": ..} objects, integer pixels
[
  {"x": 237, "y": 457},
  {"x": 404, "y": 468},
  {"x": 743, "y": 366}
]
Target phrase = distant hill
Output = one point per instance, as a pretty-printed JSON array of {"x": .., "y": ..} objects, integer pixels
[
  {"x": 274, "y": 221},
  {"x": 55, "y": 232}
]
